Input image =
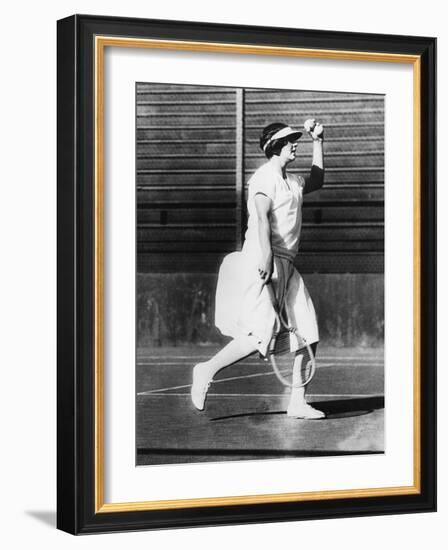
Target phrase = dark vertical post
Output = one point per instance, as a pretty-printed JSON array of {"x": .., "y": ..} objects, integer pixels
[{"x": 240, "y": 210}]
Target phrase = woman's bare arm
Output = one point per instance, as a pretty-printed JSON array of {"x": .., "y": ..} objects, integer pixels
[
  {"x": 263, "y": 206},
  {"x": 316, "y": 178}
]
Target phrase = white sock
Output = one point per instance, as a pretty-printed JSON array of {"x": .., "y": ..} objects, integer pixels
[{"x": 297, "y": 398}]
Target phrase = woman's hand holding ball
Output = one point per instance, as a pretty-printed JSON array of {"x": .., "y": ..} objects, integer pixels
[{"x": 314, "y": 129}]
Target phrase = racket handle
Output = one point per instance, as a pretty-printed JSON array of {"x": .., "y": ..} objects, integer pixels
[
  {"x": 272, "y": 296},
  {"x": 278, "y": 314}
]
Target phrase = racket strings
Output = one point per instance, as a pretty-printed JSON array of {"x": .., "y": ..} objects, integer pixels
[
  {"x": 281, "y": 343},
  {"x": 291, "y": 357},
  {"x": 303, "y": 369}
]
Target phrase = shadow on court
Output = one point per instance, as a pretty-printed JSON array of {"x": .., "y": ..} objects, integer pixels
[
  {"x": 245, "y": 415},
  {"x": 343, "y": 408}
]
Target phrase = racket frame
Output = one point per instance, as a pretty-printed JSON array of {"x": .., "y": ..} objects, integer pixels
[{"x": 280, "y": 322}]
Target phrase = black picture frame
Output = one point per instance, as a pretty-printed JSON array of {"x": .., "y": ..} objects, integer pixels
[{"x": 79, "y": 507}]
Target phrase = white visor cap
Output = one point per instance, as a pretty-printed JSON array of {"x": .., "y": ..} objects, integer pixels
[{"x": 283, "y": 133}]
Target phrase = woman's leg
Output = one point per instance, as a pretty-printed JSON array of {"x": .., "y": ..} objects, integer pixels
[
  {"x": 203, "y": 373},
  {"x": 234, "y": 351},
  {"x": 298, "y": 407}
]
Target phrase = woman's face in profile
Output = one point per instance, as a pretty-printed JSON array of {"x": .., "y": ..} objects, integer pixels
[{"x": 288, "y": 151}]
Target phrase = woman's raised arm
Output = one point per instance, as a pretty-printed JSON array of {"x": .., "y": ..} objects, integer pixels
[{"x": 316, "y": 178}]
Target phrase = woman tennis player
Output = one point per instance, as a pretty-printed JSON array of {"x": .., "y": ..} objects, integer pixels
[{"x": 244, "y": 308}]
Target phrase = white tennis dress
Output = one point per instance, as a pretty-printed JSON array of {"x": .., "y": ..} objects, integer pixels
[{"x": 243, "y": 306}]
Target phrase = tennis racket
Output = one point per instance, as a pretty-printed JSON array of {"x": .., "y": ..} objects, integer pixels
[{"x": 290, "y": 355}]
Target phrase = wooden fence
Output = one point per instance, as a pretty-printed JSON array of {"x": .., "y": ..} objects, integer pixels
[{"x": 197, "y": 147}]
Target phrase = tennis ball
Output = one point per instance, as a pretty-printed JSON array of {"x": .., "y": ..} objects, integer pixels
[{"x": 309, "y": 124}]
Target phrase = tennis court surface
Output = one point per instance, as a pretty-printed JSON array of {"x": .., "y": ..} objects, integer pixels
[{"x": 245, "y": 414}]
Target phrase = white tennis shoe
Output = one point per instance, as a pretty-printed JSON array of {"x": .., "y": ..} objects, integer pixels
[
  {"x": 305, "y": 411},
  {"x": 200, "y": 385}
]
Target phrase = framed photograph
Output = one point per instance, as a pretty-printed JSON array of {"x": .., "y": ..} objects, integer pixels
[{"x": 246, "y": 274}]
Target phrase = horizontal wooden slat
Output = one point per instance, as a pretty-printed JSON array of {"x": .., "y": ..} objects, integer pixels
[
  {"x": 156, "y": 89},
  {"x": 218, "y": 164},
  {"x": 167, "y": 216},
  {"x": 167, "y": 86},
  {"x": 176, "y": 122},
  {"x": 341, "y": 130},
  {"x": 342, "y": 214},
  {"x": 145, "y": 203},
  {"x": 192, "y": 179},
  {"x": 376, "y": 246},
  {"x": 189, "y": 195},
  {"x": 358, "y": 191},
  {"x": 194, "y": 246},
  {"x": 342, "y": 147},
  {"x": 185, "y": 234},
  {"x": 328, "y": 155},
  {"x": 174, "y": 247},
  {"x": 176, "y": 141},
  {"x": 213, "y": 134},
  {"x": 298, "y": 170},
  {"x": 191, "y": 100},
  {"x": 310, "y": 202},
  {"x": 217, "y": 110},
  {"x": 342, "y": 232},
  {"x": 201, "y": 178},
  {"x": 324, "y": 113},
  {"x": 293, "y": 103},
  {"x": 330, "y": 232},
  {"x": 188, "y": 164},
  {"x": 204, "y": 215},
  {"x": 183, "y": 155},
  {"x": 252, "y": 127},
  {"x": 186, "y": 109},
  {"x": 254, "y": 94},
  {"x": 373, "y": 162},
  {"x": 369, "y": 141},
  {"x": 213, "y": 193}
]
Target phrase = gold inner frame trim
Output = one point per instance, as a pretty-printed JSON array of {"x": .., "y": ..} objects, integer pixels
[{"x": 101, "y": 42}]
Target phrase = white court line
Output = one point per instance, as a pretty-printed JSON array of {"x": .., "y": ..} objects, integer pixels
[
  {"x": 242, "y": 377},
  {"x": 185, "y": 394},
  {"x": 196, "y": 357},
  {"x": 214, "y": 382},
  {"x": 319, "y": 366}
]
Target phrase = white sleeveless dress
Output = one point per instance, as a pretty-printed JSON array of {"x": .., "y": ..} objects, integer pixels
[{"x": 243, "y": 306}]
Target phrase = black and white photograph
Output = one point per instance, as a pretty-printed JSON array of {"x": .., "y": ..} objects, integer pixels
[
  {"x": 260, "y": 273},
  {"x": 221, "y": 310}
]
